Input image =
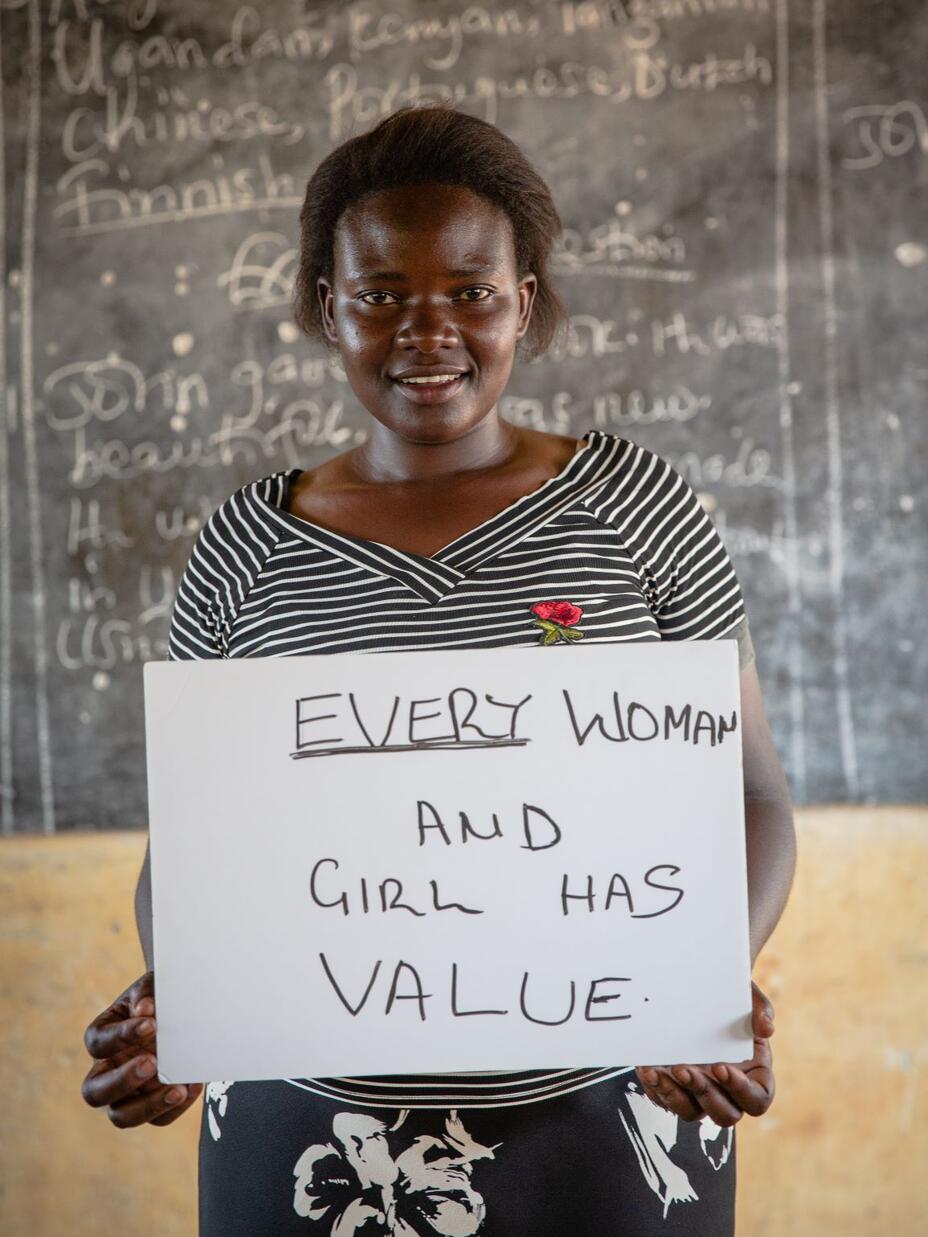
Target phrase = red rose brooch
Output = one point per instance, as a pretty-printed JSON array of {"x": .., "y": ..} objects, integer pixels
[{"x": 558, "y": 621}]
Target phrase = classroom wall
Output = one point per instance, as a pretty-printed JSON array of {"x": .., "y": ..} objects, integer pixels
[{"x": 840, "y": 1152}]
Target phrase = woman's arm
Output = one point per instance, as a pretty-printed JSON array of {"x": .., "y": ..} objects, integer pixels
[
  {"x": 770, "y": 834},
  {"x": 143, "y": 909}
]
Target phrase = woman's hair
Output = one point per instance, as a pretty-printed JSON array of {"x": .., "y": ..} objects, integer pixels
[{"x": 434, "y": 144}]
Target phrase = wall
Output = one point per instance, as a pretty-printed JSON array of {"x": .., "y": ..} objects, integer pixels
[{"x": 841, "y": 1151}]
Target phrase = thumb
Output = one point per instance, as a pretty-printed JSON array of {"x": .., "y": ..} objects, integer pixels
[{"x": 761, "y": 1013}]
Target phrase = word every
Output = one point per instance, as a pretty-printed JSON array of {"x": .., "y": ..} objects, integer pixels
[{"x": 463, "y": 720}]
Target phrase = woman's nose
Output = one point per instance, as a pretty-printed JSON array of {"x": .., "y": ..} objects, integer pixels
[{"x": 426, "y": 325}]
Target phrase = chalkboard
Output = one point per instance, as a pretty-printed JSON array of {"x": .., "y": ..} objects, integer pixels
[{"x": 744, "y": 258}]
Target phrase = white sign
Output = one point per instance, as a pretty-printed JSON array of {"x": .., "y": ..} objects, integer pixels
[{"x": 401, "y": 863}]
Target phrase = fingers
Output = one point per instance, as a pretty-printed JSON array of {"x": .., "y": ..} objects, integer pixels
[
  {"x": 123, "y": 1076},
  {"x": 752, "y": 1089},
  {"x": 712, "y": 1099},
  {"x": 761, "y": 1012},
  {"x": 723, "y": 1092},
  {"x": 193, "y": 1090},
  {"x": 144, "y": 986},
  {"x": 109, "y": 1083},
  {"x": 661, "y": 1087},
  {"x": 150, "y": 1107},
  {"x": 112, "y": 1030},
  {"x": 750, "y": 1085},
  {"x": 104, "y": 1040},
  {"x": 132, "y": 1094}
]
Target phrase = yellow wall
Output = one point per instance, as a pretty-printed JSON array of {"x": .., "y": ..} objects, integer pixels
[{"x": 842, "y": 1150}]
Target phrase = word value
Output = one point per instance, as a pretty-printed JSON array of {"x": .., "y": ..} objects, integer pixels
[{"x": 407, "y": 976}]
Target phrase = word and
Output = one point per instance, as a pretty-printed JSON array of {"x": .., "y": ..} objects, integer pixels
[{"x": 550, "y": 831}]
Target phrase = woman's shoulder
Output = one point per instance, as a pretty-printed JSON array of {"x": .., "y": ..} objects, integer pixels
[
  {"x": 634, "y": 472},
  {"x": 240, "y": 530},
  {"x": 627, "y": 451},
  {"x": 248, "y": 503}
]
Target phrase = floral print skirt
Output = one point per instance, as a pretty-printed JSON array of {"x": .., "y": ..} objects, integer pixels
[{"x": 276, "y": 1159}]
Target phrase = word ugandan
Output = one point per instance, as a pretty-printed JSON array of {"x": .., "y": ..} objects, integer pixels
[{"x": 464, "y": 720}]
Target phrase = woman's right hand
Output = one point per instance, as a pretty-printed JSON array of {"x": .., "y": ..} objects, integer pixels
[{"x": 124, "y": 1074}]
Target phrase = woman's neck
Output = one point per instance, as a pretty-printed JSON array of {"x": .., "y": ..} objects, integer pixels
[{"x": 386, "y": 458}]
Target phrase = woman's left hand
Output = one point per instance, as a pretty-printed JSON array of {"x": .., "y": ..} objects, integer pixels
[{"x": 724, "y": 1091}]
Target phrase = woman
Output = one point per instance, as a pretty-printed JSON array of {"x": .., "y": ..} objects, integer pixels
[{"x": 424, "y": 263}]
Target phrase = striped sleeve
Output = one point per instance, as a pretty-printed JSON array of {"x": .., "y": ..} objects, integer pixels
[
  {"x": 227, "y": 556},
  {"x": 688, "y": 578}
]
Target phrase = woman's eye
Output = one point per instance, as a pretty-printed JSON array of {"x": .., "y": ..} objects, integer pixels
[
  {"x": 366, "y": 294},
  {"x": 483, "y": 294}
]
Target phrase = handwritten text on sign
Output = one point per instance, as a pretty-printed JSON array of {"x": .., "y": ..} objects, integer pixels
[{"x": 448, "y": 861}]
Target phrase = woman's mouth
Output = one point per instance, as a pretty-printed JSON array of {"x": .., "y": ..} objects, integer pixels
[{"x": 433, "y": 389}]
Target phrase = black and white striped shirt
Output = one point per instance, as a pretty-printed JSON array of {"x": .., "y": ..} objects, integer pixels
[{"x": 618, "y": 533}]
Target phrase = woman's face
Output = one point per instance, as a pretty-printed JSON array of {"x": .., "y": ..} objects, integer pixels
[{"x": 425, "y": 279}]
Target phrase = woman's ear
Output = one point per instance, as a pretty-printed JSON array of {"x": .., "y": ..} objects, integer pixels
[
  {"x": 326, "y": 306},
  {"x": 528, "y": 286}
]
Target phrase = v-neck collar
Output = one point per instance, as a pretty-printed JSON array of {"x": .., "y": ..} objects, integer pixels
[{"x": 433, "y": 576}]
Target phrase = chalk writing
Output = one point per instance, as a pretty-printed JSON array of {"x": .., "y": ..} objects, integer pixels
[
  {"x": 300, "y": 425},
  {"x": 587, "y": 335},
  {"x": 722, "y": 332},
  {"x": 83, "y": 65},
  {"x": 86, "y": 528},
  {"x": 886, "y": 131},
  {"x": 751, "y": 466},
  {"x": 641, "y": 18},
  {"x": 114, "y": 389},
  {"x": 369, "y": 31},
  {"x": 636, "y": 408},
  {"x": 105, "y": 643},
  {"x": 86, "y": 134},
  {"x": 105, "y": 390},
  {"x": 89, "y": 208},
  {"x": 616, "y": 248},
  {"x": 644, "y": 77},
  {"x": 261, "y": 276}
]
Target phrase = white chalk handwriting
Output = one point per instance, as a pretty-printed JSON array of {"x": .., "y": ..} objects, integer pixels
[
  {"x": 261, "y": 273},
  {"x": 84, "y": 66},
  {"x": 89, "y": 204},
  {"x": 371, "y": 29},
  {"x": 886, "y": 131},
  {"x": 352, "y": 106}
]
